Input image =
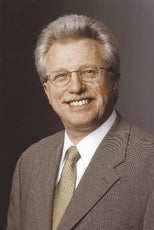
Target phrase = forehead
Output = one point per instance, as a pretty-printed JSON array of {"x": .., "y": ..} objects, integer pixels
[{"x": 74, "y": 53}]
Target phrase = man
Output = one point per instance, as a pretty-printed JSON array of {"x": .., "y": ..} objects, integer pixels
[{"x": 78, "y": 63}]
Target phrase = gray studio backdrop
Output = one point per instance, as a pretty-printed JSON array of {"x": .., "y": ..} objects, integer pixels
[{"x": 26, "y": 114}]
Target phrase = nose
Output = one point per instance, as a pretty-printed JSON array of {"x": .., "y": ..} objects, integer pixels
[{"x": 76, "y": 85}]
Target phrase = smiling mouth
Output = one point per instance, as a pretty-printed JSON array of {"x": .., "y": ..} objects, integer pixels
[{"x": 79, "y": 102}]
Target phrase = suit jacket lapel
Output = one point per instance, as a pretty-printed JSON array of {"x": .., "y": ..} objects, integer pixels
[{"x": 99, "y": 176}]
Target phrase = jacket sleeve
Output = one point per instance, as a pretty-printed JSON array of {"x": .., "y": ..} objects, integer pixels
[{"x": 14, "y": 214}]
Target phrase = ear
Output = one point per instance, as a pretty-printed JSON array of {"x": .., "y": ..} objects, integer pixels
[
  {"x": 115, "y": 85},
  {"x": 46, "y": 89},
  {"x": 115, "y": 90}
]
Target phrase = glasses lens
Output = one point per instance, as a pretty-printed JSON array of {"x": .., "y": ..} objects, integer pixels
[
  {"x": 90, "y": 74},
  {"x": 59, "y": 79}
]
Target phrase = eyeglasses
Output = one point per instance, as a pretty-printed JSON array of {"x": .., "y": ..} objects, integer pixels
[{"x": 88, "y": 74}]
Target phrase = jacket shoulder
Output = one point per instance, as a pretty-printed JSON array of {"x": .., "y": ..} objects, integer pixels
[
  {"x": 133, "y": 131},
  {"x": 141, "y": 135}
]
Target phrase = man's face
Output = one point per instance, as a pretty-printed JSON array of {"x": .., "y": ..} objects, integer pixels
[{"x": 80, "y": 105}]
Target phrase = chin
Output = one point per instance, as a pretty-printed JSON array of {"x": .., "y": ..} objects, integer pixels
[{"x": 85, "y": 125}]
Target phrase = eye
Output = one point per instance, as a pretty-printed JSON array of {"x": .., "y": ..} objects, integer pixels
[
  {"x": 60, "y": 77},
  {"x": 89, "y": 73}
]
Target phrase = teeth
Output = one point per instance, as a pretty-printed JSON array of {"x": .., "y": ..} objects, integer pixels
[{"x": 79, "y": 103}]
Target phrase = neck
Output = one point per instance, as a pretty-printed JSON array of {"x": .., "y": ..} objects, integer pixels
[
  {"x": 78, "y": 133},
  {"x": 76, "y": 137}
]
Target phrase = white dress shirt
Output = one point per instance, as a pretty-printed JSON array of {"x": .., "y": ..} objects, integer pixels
[{"x": 86, "y": 147}]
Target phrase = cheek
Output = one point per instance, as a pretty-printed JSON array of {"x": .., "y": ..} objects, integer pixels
[
  {"x": 55, "y": 100},
  {"x": 104, "y": 95}
]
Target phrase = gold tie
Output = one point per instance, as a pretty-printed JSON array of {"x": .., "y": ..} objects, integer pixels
[{"x": 66, "y": 185}]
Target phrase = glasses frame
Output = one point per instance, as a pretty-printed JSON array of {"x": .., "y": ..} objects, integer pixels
[{"x": 100, "y": 68}]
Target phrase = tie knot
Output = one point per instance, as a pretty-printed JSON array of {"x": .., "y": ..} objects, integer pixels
[{"x": 72, "y": 154}]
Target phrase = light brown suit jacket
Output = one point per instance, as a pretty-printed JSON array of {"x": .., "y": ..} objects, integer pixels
[{"x": 115, "y": 193}]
